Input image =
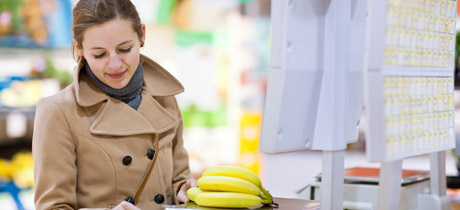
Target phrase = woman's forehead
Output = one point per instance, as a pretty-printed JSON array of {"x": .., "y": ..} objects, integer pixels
[{"x": 111, "y": 33}]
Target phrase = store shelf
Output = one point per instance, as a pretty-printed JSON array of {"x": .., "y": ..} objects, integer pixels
[{"x": 13, "y": 53}]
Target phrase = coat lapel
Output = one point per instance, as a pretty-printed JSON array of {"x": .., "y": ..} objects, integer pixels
[
  {"x": 119, "y": 119},
  {"x": 158, "y": 117}
]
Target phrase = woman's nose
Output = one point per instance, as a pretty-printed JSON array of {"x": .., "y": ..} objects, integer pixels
[{"x": 115, "y": 62}]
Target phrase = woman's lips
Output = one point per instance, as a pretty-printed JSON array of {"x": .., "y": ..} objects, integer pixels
[{"x": 116, "y": 75}]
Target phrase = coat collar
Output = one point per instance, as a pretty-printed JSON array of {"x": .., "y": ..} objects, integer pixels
[{"x": 117, "y": 118}]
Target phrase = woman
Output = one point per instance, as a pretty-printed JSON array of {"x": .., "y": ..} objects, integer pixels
[{"x": 113, "y": 138}]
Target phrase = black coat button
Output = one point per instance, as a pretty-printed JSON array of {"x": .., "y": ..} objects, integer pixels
[
  {"x": 127, "y": 160},
  {"x": 150, "y": 153},
  {"x": 159, "y": 198},
  {"x": 130, "y": 199}
]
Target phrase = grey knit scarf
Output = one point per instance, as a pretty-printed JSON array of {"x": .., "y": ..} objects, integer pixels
[{"x": 130, "y": 94}]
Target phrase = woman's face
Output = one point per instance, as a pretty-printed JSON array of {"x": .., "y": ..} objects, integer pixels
[{"x": 112, "y": 51}]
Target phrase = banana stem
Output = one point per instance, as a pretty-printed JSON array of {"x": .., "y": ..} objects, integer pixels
[
  {"x": 263, "y": 196},
  {"x": 267, "y": 201},
  {"x": 267, "y": 198},
  {"x": 265, "y": 192}
]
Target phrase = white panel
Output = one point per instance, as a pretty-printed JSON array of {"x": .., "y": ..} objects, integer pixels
[
  {"x": 314, "y": 92},
  {"x": 278, "y": 20},
  {"x": 409, "y": 78},
  {"x": 304, "y": 34},
  {"x": 355, "y": 67},
  {"x": 294, "y": 79},
  {"x": 289, "y": 118}
]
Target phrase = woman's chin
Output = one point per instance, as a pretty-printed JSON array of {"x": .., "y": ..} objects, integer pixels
[{"x": 117, "y": 85}]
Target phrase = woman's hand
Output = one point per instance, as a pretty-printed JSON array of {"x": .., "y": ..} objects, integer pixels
[
  {"x": 182, "y": 194},
  {"x": 125, "y": 206}
]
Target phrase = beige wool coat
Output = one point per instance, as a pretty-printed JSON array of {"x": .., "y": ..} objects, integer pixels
[{"x": 91, "y": 150}]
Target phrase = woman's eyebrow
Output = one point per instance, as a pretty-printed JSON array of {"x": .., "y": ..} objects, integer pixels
[
  {"x": 96, "y": 48},
  {"x": 127, "y": 41},
  {"x": 101, "y": 48}
]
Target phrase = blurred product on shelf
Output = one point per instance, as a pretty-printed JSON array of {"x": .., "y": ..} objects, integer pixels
[
  {"x": 28, "y": 92},
  {"x": 16, "y": 128},
  {"x": 43, "y": 80},
  {"x": 165, "y": 10},
  {"x": 32, "y": 15},
  {"x": 5, "y": 170},
  {"x": 198, "y": 15},
  {"x": 44, "y": 68},
  {"x": 194, "y": 117},
  {"x": 35, "y": 23},
  {"x": 17, "y": 175},
  {"x": 249, "y": 156},
  {"x": 19, "y": 170}
]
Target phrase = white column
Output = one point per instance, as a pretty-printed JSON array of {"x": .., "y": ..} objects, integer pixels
[
  {"x": 389, "y": 194},
  {"x": 332, "y": 180},
  {"x": 436, "y": 199}
]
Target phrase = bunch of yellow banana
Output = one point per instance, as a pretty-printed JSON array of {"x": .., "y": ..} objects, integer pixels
[{"x": 229, "y": 187}]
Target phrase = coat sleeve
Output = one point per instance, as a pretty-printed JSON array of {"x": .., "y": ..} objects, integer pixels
[
  {"x": 181, "y": 168},
  {"x": 54, "y": 153}
]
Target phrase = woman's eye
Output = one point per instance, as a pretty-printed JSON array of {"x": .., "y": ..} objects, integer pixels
[
  {"x": 99, "y": 56},
  {"x": 125, "y": 50}
]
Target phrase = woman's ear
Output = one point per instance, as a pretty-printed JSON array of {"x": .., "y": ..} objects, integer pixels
[
  {"x": 77, "y": 48},
  {"x": 143, "y": 35}
]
